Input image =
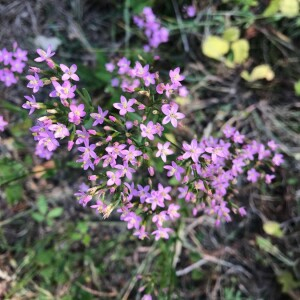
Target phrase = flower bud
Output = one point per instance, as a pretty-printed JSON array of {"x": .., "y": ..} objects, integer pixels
[
  {"x": 109, "y": 138},
  {"x": 112, "y": 118},
  {"x": 70, "y": 145},
  {"x": 151, "y": 171},
  {"x": 92, "y": 131},
  {"x": 141, "y": 107},
  {"x": 92, "y": 177}
]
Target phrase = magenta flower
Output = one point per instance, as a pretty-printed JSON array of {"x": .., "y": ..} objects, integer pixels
[
  {"x": 131, "y": 154},
  {"x": 160, "y": 88},
  {"x": 125, "y": 106},
  {"x": 77, "y": 112},
  {"x": 69, "y": 73},
  {"x": 160, "y": 218},
  {"x": 163, "y": 151},
  {"x": 174, "y": 170},
  {"x": 99, "y": 117},
  {"x": 192, "y": 151},
  {"x": 88, "y": 151},
  {"x": 109, "y": 67},
  {"x": 125, "y": 170},
  {"x": 176, "y": 77},
  {"x": 148, "y": 131},
  {"x": 277, "y": 159},
  {"x": 155, "y": 200},
  {"x": 142, "y": 192},
  {"x": 216, "y": 152},
  {"x": 30, "y": 104},
  {"x": 44, "y": 55},
  {"x": 253, "y": 175},
  {"x": 173, "y": 211},
  {"x": 161, "y": 232},
  {"x": 141, "y": 71},
  {"x": 114, "y": 178},
  {"x": 34, "y": 82},
  {"x": 66, "y": 91},
  {"x": 60, "y": 130},
  {"x": 3, "y": 123},
  {"x": 141, "y": 234},
  {"x": 133, "y": 220},
  {"x": 269, "y": 178},
  {"x": 170, "y": 110},
  {"x": 115, "y": 150}
]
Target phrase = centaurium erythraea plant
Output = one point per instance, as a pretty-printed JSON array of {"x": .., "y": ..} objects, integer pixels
[{"x": 131, "y": 164}]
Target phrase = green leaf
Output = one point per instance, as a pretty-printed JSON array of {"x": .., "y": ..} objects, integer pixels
[
  {"x": 297, "y": 88},
  {"x": 13, "y": 193},
  {"x": 287, "y": 281},
  {"x": 37, "y": 217},
  {"x": 55, "y": 212},
  {"x": 266, "y": 245},
  {"x": 215, "y": 47},
  {"x": 42, "y": 205},
  {"x": 273, "y": 228}
]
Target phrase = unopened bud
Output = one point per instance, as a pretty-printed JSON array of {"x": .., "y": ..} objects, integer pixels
[
  {"x": 112, "y": 118},
  {"x": 141, "y": 107},
  {"x": 155, "y": 112},
  {"x": 107, "y": 128},
  {"x": 93, "y": 177},
  {"x": 146, "y": 156},
  {"x": 92, "y": 131},
  {"x": 70, "y": 145},
  {"x": 135, "y": 122},
  {"x": 109, "y": 138},
  {"x": 151, "y": 171}
]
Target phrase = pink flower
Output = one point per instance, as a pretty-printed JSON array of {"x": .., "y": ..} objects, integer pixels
[
  {"x": 269, "y": 178},
  {"x": 171, "y": 114},
  {"x": 148, "y": 131},
  {"x": 163, "y": 151},
  {"x": 76, "y": 113},
  {"x": 176, "y": 77},
  {"x": 69, "y": 73},
  {"x": 125, "y": 106},
  {"x": 44, "y": 55},
  {"x": 141, "y": 234},
  {"x": 60, "y": 130},
  {"x": 109, "y": 67},
  {"x": 99, "y": 117},
  {"x": 253, "y": 175},
  {"x": 161, "y": 232},
  {"x": 2, "y": 123},
  {"x": 192, "y": 151},
  {"x": 277, "y": 159},
  {"x": 160, "y": 88},
  {"x": 114, "y": 178},
  {"x": 173, "y": 211},
  {"x": 30, "y": 104},
  {"x": 174, "y": 170},
  {"x": 34, "y": 82}
]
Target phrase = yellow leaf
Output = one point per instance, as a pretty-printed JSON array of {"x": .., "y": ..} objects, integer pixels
[
  {"x": 289, "y": 8},
  {"x": 182, "y": 101},
  {"x": 231, "y": 34},
  {"x": 273, "y": 228},
  {"x": 259, "y": 72},
  {"x": 215, "y": 47},
  {"x": 240, "y": 50},
  {"x": 272, "y": 9},
  {"x": 171, "y": 138}
]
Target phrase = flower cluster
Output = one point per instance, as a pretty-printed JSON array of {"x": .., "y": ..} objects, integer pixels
[
  {"x": 129, "y": 79},
  {"x": 132, "y": 164},
  {"x": 13, "y": 63},
  {"x": 155, "y": 33}
]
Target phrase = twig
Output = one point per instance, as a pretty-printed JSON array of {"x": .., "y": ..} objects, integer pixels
[{"x": 202, "y": 262}]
